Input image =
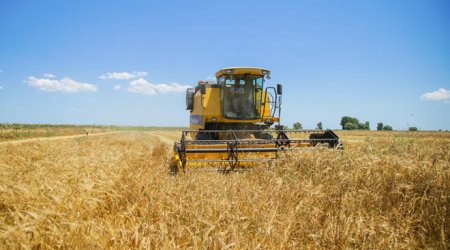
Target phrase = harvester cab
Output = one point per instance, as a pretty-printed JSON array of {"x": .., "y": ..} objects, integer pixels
[{"x": 231, "y": 120}]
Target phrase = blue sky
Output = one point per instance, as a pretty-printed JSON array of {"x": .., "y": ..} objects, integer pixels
[{"x": 128, "y": 62}]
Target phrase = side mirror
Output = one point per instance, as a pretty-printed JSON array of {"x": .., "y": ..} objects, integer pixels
[
  {"x": 279, "y": 89},
  {"x": 203, "y": 89},
  {"x": 190, "y": 92}
]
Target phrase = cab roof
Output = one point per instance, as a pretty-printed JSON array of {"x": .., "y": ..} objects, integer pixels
[{"x": 242, "y": 70}]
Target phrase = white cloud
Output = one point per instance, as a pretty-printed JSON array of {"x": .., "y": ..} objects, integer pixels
[
  {"x": 48, "y": 75},
  {"x": 1, "y": 87},
  {"x": 438, "y": 95},
  {"x": 142, "y": 86},
  {"x": 65, "y": 85},
  {"x": 117, "y": 87},
  {"x": 123, "y": 75}
]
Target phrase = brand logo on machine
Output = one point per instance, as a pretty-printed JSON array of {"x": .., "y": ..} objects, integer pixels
[{"x": 196, "y": 119}]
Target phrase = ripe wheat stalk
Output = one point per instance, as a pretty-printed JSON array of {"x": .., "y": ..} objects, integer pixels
[{"x": 385, "y": 190}]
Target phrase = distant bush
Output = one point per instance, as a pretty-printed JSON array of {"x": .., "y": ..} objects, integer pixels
[
  {"x": 387, "y": 128},
  {"x": 412, "y": 129},
  {"x": 350, "y": 126},
  {"x": 380, "y": 126},
  {"x": 352, "y": 123},
  {"x": 364, "y": 126},
  {"x": 349, "y": 120},
  {"x": 319, "y": 126},
  {"x": 297, "y": 125}
]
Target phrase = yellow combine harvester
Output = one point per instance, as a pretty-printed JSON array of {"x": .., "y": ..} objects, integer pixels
[{"x": 230, "y": 124}]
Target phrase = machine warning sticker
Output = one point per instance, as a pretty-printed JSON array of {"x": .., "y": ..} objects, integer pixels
[{"x": 196, "y": 119}]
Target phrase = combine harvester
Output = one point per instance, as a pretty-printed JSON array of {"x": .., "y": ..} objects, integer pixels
[{"x": 230, "y": 124}]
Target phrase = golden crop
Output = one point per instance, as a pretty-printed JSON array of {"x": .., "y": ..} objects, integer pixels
[{"x": 385, "y": 190}]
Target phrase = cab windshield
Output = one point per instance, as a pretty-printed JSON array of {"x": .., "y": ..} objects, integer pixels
[{"x": 241, "y": 96}]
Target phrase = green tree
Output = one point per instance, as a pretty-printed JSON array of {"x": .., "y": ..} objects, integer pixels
[
  {"x": 355, "y": 124},
  {"x": 363, "y": 126},
  {"x": 350, "y": 126},
  {"x": 387, "y": 128},
  {"x": 348, "y": 119},
  {"x": 319, "y": 126},
  {"x": 380, "y": 126},
  {"x": 297, "y": 125},
  {"x": 412, "y": 129}
]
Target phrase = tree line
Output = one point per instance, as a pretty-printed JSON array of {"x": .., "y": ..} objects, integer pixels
[
  {"x": 298, "y": 125},
  {"x": 352, "y": 123}
]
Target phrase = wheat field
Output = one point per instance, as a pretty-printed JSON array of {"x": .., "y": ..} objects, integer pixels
[{"x": 385, "y": 190}]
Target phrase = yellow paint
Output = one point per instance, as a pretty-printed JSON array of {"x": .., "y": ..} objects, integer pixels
[
  {"x": 260, "y": 156},
  {"x": 243, "y": 70},
  {"x": 209, "y": 106}
]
